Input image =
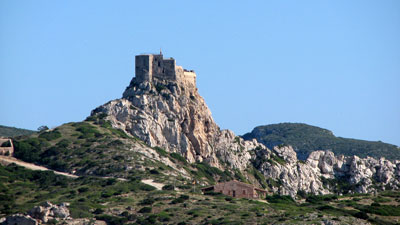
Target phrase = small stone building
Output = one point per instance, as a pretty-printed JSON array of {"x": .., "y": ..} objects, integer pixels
[
  {"x": 6, "y": 146},
  {"x": 237, "y": 189}
]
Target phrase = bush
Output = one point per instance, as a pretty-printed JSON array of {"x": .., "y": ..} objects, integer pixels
[
  {"x": 50, "y": 135},
  {"x": 154, "y": 171},
  {"x": 315, "y": 199},
  {"x": 83, "y": 189},
  {"x": 161, "y": 151},
  {"x": 284, "y": 199},
  {"x": 228, "y": 198},
  {"x": 178, "y": 157},
  {"x": 361, "y": 215},
  {"x": 168, "y": 187},
  {"x": 181, "y": 199},
  {"x": 145, "y": 209},
  {"x": 147, "y": 201},
  {"x": 375, "y": 204},
  {"x": 112, "y": 220},
  {"x": 301, "y": 194},
  {"x": 98, "y": 211},
  {"x": 213, "y": 193}
]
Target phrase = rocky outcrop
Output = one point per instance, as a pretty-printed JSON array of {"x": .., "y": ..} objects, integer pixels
[
  {"x": 41, "y": 214},
  {"x": 172, "y": 115},
  {"x": 48, "y": 211},
  {"x": 19, "y": 219},
  {"x": 313, "y": 175}
]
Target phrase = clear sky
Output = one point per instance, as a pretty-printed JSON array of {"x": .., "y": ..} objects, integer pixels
[{"x": 333, "y": 64}]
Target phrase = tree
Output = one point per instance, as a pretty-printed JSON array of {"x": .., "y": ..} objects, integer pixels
[{"x": 43, "y": 128}]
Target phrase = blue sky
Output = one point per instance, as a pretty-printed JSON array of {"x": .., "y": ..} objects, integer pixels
[{"x": 333, "y": 64}]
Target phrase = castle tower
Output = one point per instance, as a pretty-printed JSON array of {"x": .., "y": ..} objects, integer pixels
[
  {"x": 144, "y": 68},
  {"x": 154, "y": 66}
]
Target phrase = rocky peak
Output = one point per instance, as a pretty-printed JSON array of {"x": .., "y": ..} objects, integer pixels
[
  {"x": 162, "y": 107},
  {"x": 167, "y": 111}
]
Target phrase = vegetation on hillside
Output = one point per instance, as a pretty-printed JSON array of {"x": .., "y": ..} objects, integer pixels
[
  {"x": 305, "y": 139},
  {"x": 13, "y": 132},
  {"x": 99, "y": 154},
  {"x": 94, "y": 148},
  {"x": 130, "y": 201}
]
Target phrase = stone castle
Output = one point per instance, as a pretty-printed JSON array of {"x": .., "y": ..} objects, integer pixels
[{"x": 153, "y": 66}]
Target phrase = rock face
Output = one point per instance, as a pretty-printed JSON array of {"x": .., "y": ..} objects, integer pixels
[
  {"x": 162, "y": 107},
  {"x": 19, "y": 219},
  {"x": 313, "y": 175},
  {"x": 40, "y": 214},
  {"x": 166, "y": 110},
  {"x": 48, "y": 211}
]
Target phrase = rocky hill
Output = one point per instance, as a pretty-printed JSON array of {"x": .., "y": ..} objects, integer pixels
[
  {"x": 162, "y": 131},
  {"x": 306, "y": 139}
]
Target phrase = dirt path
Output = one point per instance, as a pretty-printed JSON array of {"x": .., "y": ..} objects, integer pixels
[
  {"x": 159, "y": 186},
  {"x": 5, "y": 160}
]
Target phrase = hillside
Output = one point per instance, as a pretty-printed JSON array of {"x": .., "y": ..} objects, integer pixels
[
  {"x": 161, "y": 133},
  {"x": 133, "y": 202},
  {"x": 306, "y": 138},
  {"x": 13, "y": 132}
]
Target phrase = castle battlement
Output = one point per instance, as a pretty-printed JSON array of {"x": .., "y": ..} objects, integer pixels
[{"x": 150, "y": 66}]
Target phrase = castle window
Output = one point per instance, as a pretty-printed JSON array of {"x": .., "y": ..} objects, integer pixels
[
  {"x": 159, "y": 63},
  {"x": 244, "y": 192}
]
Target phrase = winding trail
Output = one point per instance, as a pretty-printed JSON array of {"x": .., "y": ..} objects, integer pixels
[{"x": 5, "y": 160}]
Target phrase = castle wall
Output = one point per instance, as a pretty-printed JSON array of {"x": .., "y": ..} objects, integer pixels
[
  {"x": 158, "y": 65},
  {"x": 190, "y": 77},
  {"x": 169, "y": 69},
  {"x": 6, "y": 150}
]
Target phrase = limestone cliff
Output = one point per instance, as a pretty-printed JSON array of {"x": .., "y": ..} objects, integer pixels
[
  {"x": 324, "y": 173},
  {"x": 171, "y": 114}
]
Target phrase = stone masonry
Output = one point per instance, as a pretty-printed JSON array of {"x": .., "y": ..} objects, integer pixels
[{"x": 6, "y": 150}]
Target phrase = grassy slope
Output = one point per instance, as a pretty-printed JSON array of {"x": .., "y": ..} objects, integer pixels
[
  {"x": 13, "y": 132},
  {"x": 306, "y": 138},
  {"x": 93, "y": 149},
  {"x": 122, "y": 202}
]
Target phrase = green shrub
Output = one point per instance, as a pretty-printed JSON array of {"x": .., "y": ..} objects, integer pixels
[
  {"x": 284, "y": 199},
  {"x": 228, "y": 198},
  {"x": 147, "y": 201},
  {"x": 50, "y": 135},
  {"x": 64, "y": 143},
  {"x": 112, "y": 220},
  {"x": 181, "y": 199},
  {"x": 83, "y": 189},
  {"x": 145, "y": 209},
  {"x": 178, "y": 157},
  {"x": 315, "y": 199},
  {"x": 161, "y": 151},
  {"x": 383, "y": 210},
  {"x": 361, "y": 215},
  {"x": 168, "y": 187}
]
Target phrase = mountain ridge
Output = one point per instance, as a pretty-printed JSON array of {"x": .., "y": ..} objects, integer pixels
[
  {"x": 7, "y": 131},
  {"x": 307, "y": 138}
]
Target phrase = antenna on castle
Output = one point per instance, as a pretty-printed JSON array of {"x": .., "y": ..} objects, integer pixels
[{"x": 160, "y": 52}]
